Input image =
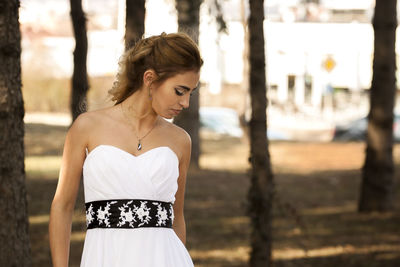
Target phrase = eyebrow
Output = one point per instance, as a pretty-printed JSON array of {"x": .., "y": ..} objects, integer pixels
[{"x": 187, "y": 88}]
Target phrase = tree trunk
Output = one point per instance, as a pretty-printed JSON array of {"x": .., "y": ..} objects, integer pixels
[
  {"x": 80, "y": 84},
  {"x": 377, "y": 187},
  {"x": 188, "y": 22},
  {"x": 14, "y": 238},
  {"x": 261, "y": 190},
  {"x": 135, "y": 17}
]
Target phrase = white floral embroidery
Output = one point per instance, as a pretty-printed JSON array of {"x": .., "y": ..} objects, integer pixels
[
  {"x": 126, "y": 215},
  {"x": 143, "y": 213},
  {"x": 162, "y": 214},
  {"x": 171, "y": 211},
  {"x": 102, "y": 215},
  {"x": 121, "y": 213},
  {"x": 89, "y": 215}
]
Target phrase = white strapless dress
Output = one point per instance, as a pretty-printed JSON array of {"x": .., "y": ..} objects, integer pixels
[{"x": 112, "y": 173}]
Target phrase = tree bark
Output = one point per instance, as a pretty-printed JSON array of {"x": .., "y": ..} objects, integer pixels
[
  {"x": 80, "y": 83},
  {"x": 188, "y": 22},
  {"x": 377, "y": 188},
  {"x": 261, "y": 190},
  {"x": 14, "y": 238},
  {"x": 135, "y": 18}
]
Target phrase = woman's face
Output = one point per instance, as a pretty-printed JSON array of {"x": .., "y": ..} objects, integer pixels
[{"x": 173, "y": 95}]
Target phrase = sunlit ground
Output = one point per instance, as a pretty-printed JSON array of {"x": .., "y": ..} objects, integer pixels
[{"x": 315, "y": 218}]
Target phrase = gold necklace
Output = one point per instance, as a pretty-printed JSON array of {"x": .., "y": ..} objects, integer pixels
[{"x": 139, "y": 146}]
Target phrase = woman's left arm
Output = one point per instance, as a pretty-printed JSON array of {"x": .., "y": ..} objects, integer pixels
[{"x": 179, "y": 225}]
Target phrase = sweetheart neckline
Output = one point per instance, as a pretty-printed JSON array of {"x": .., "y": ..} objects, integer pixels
[{"x": 128, "y": 153}]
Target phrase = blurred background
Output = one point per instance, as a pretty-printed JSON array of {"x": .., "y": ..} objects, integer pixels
[
  {"x": 318, "y": 58},
  {"x": 319, "y": 68}
]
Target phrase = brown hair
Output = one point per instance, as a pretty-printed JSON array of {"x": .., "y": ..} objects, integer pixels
[{"x": 166, "y": 54}]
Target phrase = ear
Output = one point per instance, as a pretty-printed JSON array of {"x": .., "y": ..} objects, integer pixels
[{"x": 149, "y": 76}]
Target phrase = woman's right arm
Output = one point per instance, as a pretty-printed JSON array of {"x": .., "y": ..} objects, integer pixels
[{"x": 63, "y": 203}]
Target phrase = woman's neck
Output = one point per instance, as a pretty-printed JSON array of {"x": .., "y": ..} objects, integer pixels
[{"x": 138, "y": 112}]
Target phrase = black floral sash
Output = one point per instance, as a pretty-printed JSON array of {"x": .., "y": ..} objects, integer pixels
[{"x": 129, "y": 213}]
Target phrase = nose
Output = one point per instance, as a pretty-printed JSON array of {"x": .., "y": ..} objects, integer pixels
[{"x": 184, "y": 101}]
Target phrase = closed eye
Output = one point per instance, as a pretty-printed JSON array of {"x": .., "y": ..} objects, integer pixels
[{"x": 179, "y": 92}]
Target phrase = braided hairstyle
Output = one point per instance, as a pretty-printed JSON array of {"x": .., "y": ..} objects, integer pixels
[{"x": 166, "y": 54}]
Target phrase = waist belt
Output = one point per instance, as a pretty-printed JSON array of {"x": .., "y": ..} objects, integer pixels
[{"x": 129, "y": 213}]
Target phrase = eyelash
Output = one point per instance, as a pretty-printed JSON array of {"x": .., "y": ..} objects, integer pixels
[{"x": 179, "y": 93}]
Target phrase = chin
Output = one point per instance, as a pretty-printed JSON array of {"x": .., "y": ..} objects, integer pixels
[{"x": 168, "y": 117}]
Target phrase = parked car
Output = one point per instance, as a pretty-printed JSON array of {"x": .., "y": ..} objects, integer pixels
[
  {"x": 277, "y": 135},
  {"x": 220, "y": 121},
  {"x": 357, "y": 130}
]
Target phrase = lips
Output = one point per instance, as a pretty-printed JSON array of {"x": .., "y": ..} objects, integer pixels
[{"x": 176, "y": 111}]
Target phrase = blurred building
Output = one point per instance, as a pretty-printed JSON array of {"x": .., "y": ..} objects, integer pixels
[{"x": 316, "y": 51}]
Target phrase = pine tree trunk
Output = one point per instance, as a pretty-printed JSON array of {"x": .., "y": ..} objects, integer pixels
[
  {"x": 188, "y": 22},
  {"x": 14, "y": 238},
  {"x": 377, "y": 189},
  {"x": 261, "y": 190},
  {"x": 135, "y": 17},
  {"x": 80, "y": 84}
]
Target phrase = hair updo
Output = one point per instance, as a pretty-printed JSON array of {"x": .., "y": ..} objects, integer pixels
[{"x": 166, "y": 54}]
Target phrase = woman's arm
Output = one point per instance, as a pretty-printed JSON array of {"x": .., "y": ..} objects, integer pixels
[
  {"x": 179, "y": 220},
  {"x": 63, "y": 203}
]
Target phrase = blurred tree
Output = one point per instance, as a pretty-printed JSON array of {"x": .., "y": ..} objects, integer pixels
[
  {"x": 134, "y": 25},
  {"x": 377, "y": 188},
  {"x": 14, "y": 238},
  {"x": 80, "y": 83},
  {"x": 261, "y": 190},
  {"x": 216, "y": 11},
  {"x": 188, "y": 22}
]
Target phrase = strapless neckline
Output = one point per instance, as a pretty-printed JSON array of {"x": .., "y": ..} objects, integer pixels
[{"x": 102, "y": 146}]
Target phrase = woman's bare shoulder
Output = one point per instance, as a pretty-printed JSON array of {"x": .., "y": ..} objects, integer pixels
[
  {"x": 180, "y": 140},
  {"x": 84, "y": 121},
  {"x": 87, "y": 122},
  {"x": 178, "y": 134}
]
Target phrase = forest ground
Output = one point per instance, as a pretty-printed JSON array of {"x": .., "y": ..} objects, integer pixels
[{"x": 315, "y": 217}]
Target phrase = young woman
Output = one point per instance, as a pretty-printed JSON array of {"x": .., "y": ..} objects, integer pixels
[{"x": 133, "y": 163}]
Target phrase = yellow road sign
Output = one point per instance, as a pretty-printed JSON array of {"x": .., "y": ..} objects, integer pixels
[{"x": 329, "y": 64}]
